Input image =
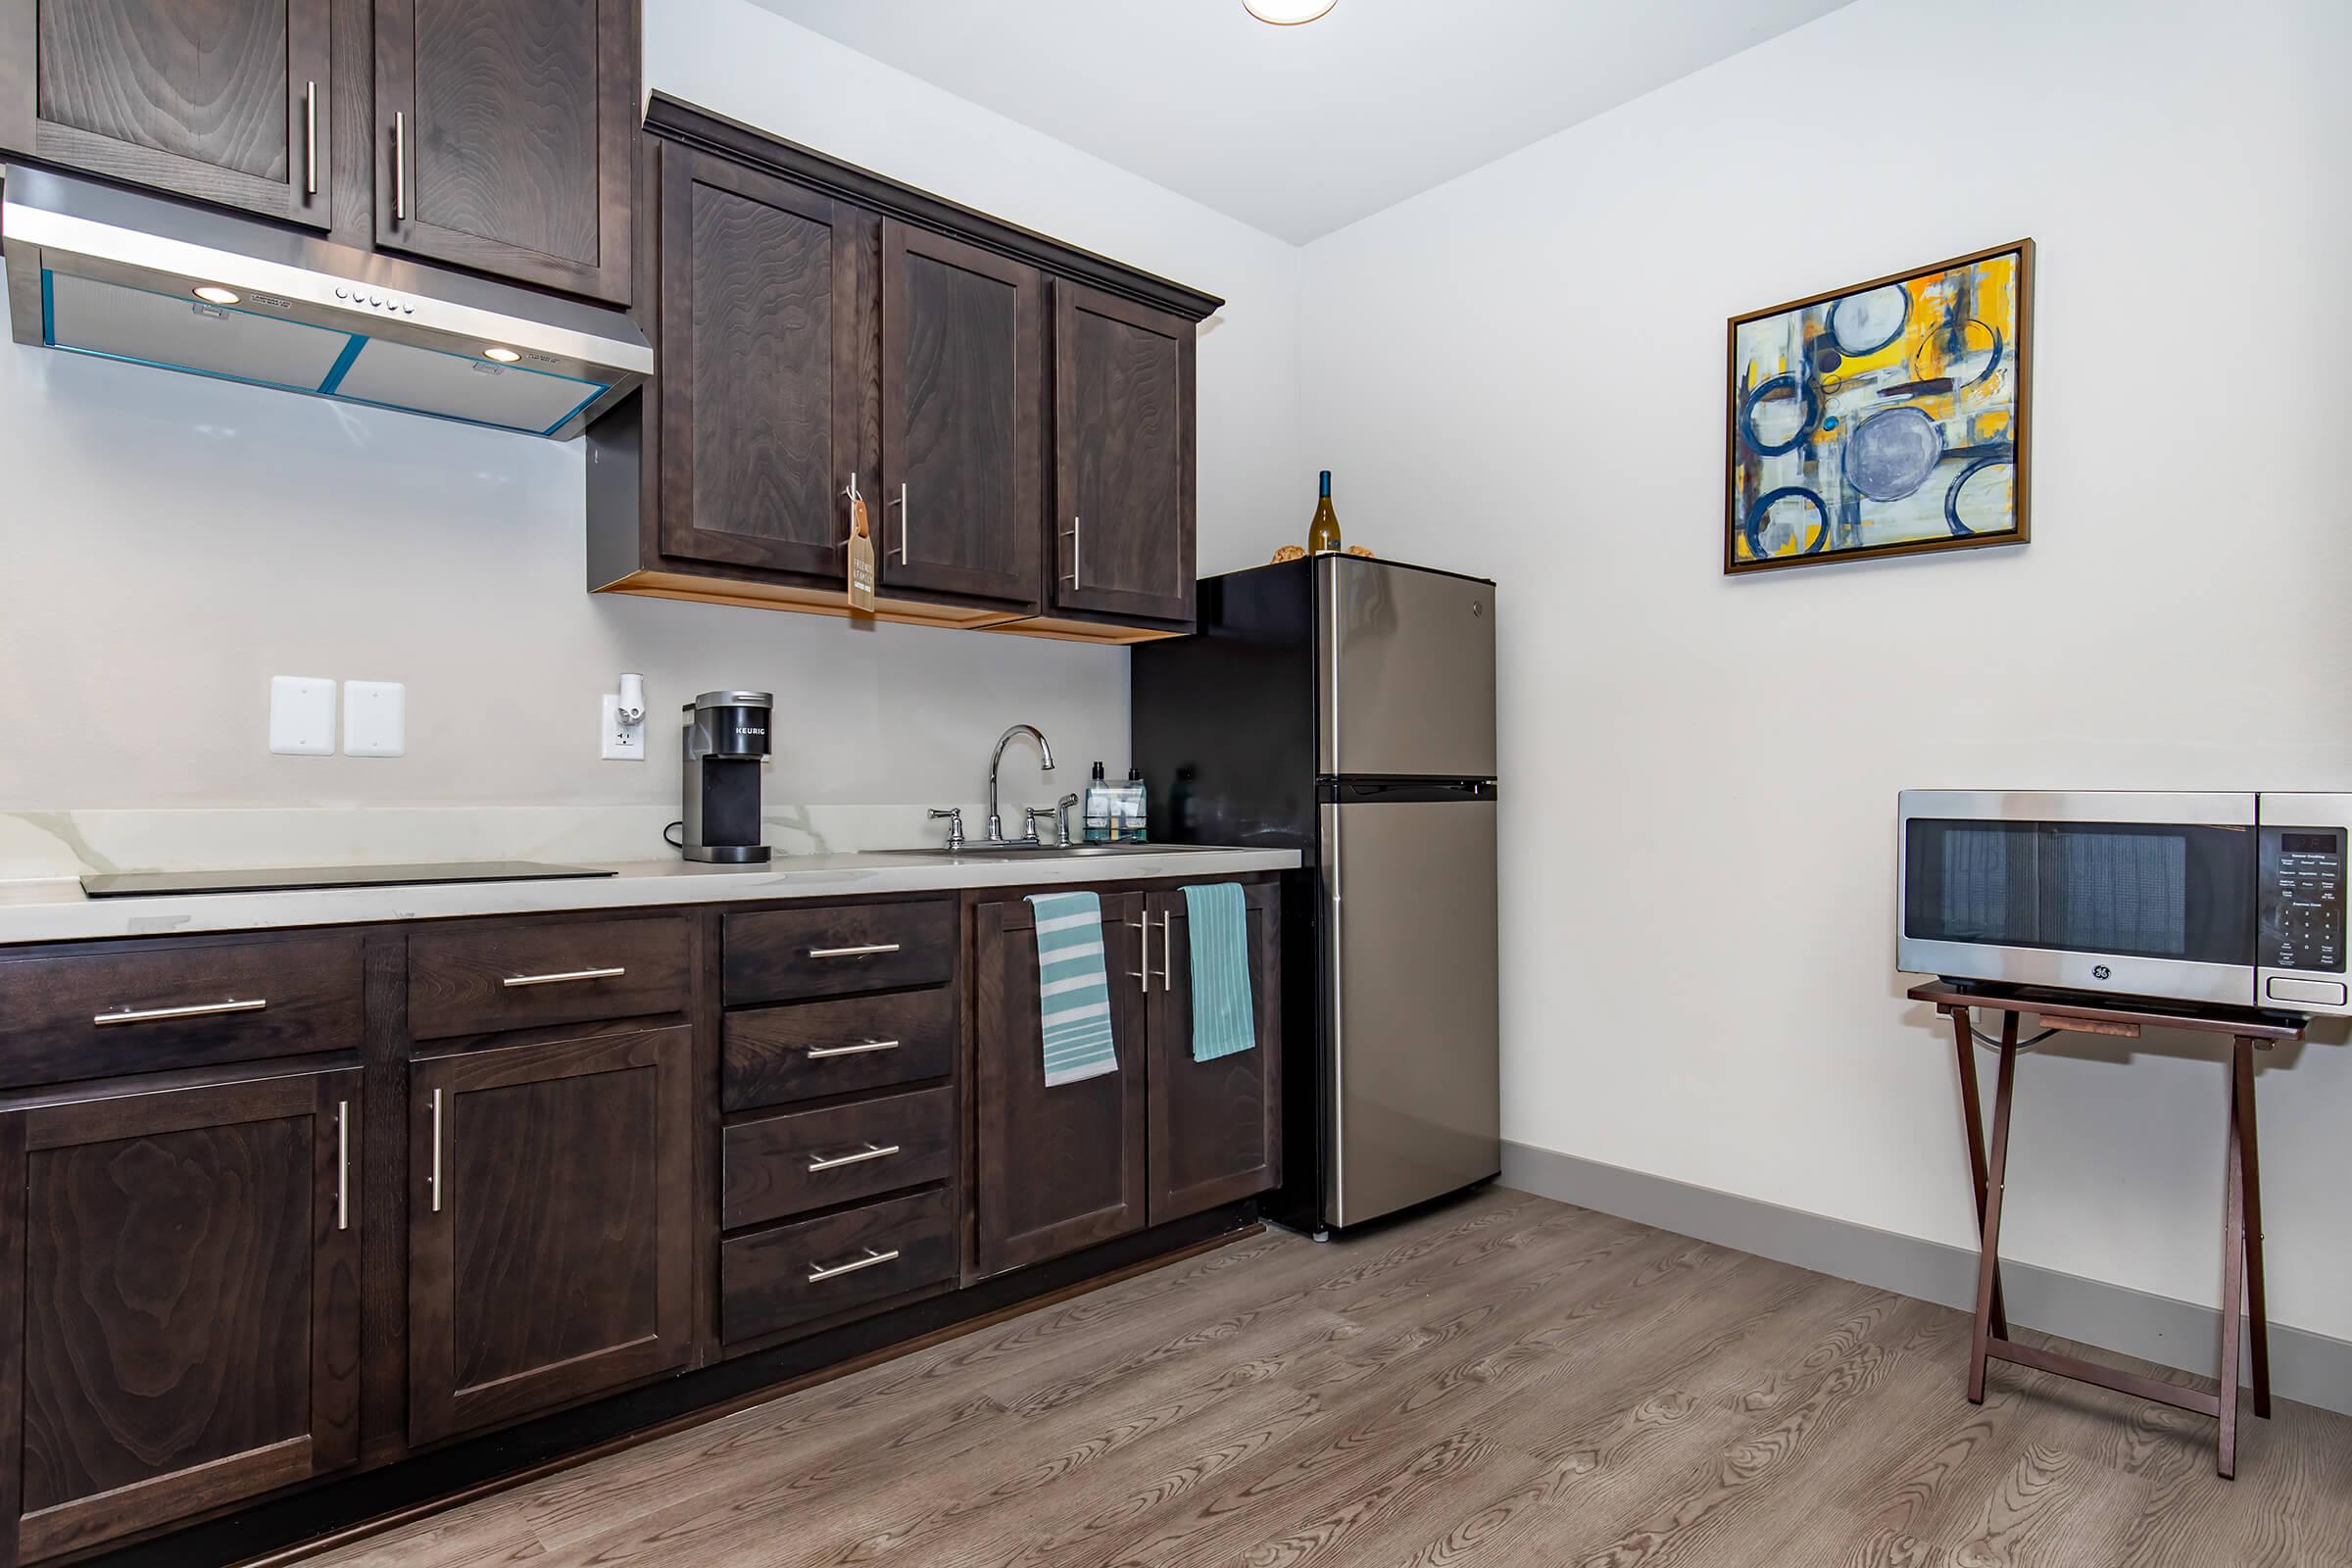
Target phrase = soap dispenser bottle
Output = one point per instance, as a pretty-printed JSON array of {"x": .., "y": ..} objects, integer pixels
[
  {"x": 1134, "y": 817},
  {"x": 1099, "y": 812}
]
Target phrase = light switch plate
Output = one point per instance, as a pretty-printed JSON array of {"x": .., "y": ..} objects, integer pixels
[
  {"x": 374, "y": 719},
  {"x": 302, "y": 715}
]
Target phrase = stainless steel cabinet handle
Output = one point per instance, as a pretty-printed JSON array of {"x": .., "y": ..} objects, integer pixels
[
  {"x": 342, "y": 1164},
  {"x": 565, "y": 977},
  {"x": 863, "y": 950},
  {"x": 309, "y": 139},
  {"x": 905, "y": 523},
  {"x": 821, "y": 1053},
  {"x": 435, "y": 1178},
  {"x": 869, "y": 1152},
  {"x": 1143, "y": 952},
  {"x": 871, "y": 1257},
  {"x": 399, "y": 165},
  {"x": 194, "y": 1010},
  {"x": 1076, "y": 542},
  {"x": 1168, "y": 951}
]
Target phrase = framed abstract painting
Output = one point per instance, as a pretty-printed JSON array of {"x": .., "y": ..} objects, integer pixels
[{"x": 1887, "y": 419}]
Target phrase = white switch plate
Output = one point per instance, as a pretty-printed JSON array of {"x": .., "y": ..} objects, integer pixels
[
  {"x": 302, "y": 715},
  {"x": 374, "y": 719},
  {"x": 621, "y": 743}
]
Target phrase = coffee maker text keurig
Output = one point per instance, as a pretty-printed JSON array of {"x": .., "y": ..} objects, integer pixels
[{"x": 726, "y": 736}]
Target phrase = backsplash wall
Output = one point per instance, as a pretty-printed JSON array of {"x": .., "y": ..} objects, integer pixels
[{"x": 167, "y": 544}]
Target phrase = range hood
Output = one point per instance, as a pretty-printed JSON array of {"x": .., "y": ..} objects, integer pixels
[{"x": 93, "y": 269}]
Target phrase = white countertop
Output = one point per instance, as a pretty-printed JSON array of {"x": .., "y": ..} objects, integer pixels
[{"x": 58, "y": 911}]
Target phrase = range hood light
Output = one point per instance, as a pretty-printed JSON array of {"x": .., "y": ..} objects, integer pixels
[
  {"x": 501, "y": 356},
  {"x": 214, "y": 294},
  {"x": 1288, "y": 13}
]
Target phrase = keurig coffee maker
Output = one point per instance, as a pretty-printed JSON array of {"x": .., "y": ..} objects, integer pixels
[{"x": 726, "y": 736}]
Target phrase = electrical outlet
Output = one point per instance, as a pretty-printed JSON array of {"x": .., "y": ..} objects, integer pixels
[{"x": 621, "y": 743}]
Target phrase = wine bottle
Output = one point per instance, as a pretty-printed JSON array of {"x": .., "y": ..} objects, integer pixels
[{"x": 1323, "y": 534}]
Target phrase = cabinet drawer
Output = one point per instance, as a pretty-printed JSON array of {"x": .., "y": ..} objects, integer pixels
[
  {"x": 809, "y": 1158},
  {"x": 776, "y": 1054},
  {"x": 476, "y": 979},
  {"x": 820, "y": 1268},
  {"x": 185, "y": 1004},
  {"x": 838, "y": 951}
]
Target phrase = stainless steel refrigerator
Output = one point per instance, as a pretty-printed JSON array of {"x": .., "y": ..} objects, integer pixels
[{"x": 1346, "y": 707}]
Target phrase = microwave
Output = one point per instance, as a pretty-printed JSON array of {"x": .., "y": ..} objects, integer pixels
[{"x": 2235, "y": 899}]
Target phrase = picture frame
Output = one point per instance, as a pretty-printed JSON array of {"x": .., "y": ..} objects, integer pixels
[{"x": 1879, "y": 418}]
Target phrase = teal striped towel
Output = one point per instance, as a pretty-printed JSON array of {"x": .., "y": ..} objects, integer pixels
[
  {"x": 1073, "y": 997},
  {"x": 1218, "y": 920}
]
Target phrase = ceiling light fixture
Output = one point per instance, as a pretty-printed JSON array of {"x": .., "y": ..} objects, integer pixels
[
  {"x": 1288, "y": 12},
  {"x": 214, "y": 294},
  {"x": 501, "y": 356}
]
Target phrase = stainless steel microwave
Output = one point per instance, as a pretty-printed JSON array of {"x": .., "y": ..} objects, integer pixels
[{"x": 2229, "y": 899}]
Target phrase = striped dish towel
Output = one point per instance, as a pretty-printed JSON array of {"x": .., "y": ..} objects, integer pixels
[
  {"x": 1217, "y": 918},
  {"x": 1073, "y": 997}
]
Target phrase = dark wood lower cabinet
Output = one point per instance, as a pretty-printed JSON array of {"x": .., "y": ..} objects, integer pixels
[
  {"x": 180, "y": 1303},
  {"x": 550, "y": 1207},
  {"x": 1214, "y": 1126},
  {"x": 1058, "y": 1169}
]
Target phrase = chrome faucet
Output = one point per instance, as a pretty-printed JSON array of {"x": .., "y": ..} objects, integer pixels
[{"x": 996, "y": 823}]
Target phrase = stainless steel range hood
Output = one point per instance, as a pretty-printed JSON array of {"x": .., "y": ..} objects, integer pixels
[{"x": 98, "y": 270}]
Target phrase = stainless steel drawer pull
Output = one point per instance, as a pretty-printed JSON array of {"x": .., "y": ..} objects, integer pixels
[
  {"x": 564, "y": 978},
  {"x": 342, "y": 1164},
  {"x": 821, "y": 1053},
  {"x": 863, "y": 950},
  {"x": 435, "y": 1177},
  {"x": 869, "y": 1152},
  {"x": 195, "y": 1010},
  {"x": 871, "y": 1257}
]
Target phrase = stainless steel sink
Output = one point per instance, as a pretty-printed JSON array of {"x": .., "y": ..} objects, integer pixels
[{"x": 1016, "y": 852}]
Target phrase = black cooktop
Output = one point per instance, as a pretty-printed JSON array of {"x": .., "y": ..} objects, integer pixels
[{"x": 290, "y": 879}]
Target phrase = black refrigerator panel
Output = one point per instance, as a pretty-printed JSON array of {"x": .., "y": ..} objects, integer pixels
[{"x": 1224, "y": 720}]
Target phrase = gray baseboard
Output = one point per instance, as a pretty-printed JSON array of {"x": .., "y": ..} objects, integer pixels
[{"x": 2309, "y": 1367}]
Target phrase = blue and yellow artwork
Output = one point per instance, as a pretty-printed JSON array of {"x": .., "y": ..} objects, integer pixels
[{"x": 1887, "y": 419}]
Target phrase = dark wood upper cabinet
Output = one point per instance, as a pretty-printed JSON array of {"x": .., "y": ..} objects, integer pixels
[
  {"x": 1123, "y": 465},
  {"x": 1214, "y": 1131},
  {"x": 505, "y": 130},
  {"x": 180, "y": 1303},
  {"x": 962, "y": 428},
  {"x": 1058, "y": 1169},
  {"x": 766, "y": 313},
  {"x": 227, "y": 101},
  {"x": 550, "y": 1255}
]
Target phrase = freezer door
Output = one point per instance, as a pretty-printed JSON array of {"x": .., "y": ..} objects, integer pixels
[
  {"x": 1413, "y": 1033},
  {"x": 1405, "y": 672}
]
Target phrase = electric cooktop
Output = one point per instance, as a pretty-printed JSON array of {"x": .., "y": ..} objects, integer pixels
[{"x": 292, "y": 878}]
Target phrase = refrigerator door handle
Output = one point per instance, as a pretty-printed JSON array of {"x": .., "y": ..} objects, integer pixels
[{"x": 1335, "y": 1100}]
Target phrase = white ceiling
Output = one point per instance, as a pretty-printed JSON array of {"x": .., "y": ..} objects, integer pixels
[{"x": 1299, "y": 131}]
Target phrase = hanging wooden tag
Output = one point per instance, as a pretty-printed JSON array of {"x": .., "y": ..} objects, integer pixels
[{"x": 861, "y": 557}]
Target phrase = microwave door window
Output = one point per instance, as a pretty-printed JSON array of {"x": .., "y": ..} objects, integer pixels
[{"x": 2127, "y": 889}]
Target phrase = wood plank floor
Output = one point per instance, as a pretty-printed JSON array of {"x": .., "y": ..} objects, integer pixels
[{"x": 1506, "y": 1381}]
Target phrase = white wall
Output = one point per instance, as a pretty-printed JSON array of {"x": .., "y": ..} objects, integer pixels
[
  {"x": 168, "y": 543},
  {"x": 1521, "y": 374}
]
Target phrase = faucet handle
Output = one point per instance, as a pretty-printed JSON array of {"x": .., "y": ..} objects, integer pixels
[
  {"x": 954, "y": 816},
  {"x": 1034, "y": 814}
]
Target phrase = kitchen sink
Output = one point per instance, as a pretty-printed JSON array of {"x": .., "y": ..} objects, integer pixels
[{"x": 1016, "y": 852}]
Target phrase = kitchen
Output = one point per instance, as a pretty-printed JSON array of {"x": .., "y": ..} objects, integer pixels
[{"x": 242, "y": 534}]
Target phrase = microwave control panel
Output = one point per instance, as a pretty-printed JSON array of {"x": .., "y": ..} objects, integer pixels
[{"x": 2303, "y": 899}]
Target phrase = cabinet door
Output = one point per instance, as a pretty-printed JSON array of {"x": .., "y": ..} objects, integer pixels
[
  {"x": 1123, "y": 481},
  {"x": 962, "y": 418},
  {"x": 1215, "y": 1126},
  {"x": 1058, "y": 1169},
  {"x": 548, "y": 1249},
  {"x": 180, "y": 1314},
  {"x": 767, "y": 332},
  {"x": 503, "y": 136},
  {"x": 223, "y": 100}
]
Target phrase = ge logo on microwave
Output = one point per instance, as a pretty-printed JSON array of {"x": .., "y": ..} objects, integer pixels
[{"x": 2099, "y": 972}]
